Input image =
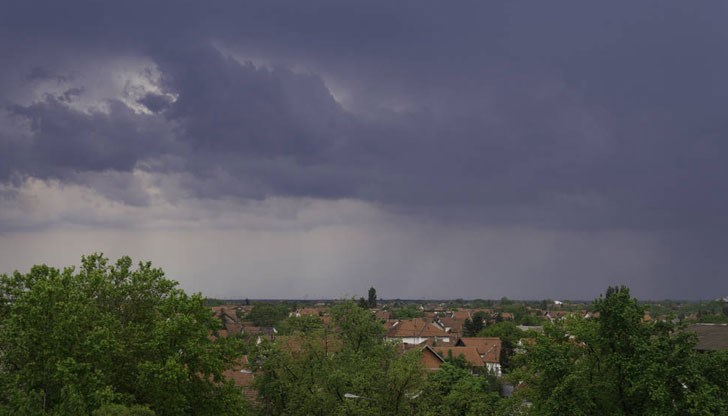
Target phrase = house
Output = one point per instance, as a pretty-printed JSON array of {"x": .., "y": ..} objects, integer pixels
[
  {"x": 382, "y": 315},
  {"x": 506, "y": 316},
  {"x": 557, "y": 315},
  {"x": 260, "y": 333},
  {"x": 461, "y": 315},
  {"x": 415, "y": 331},
  {"x": 452, "y": 325},
  {"x": 434, "y": 357},
  {"x": 711, "y": 337},
  {"x": 489, "y": 349},
  {"x": 243, "y": 378},
  {"x": 431, "y": 360},
  {"x": 438, "y": 342},
  {"x": 233, "y": 328},
  {"x": 471, "y": 355},
  {"x": 307, "y": 312},
  {"x": 226, "y": 313}
]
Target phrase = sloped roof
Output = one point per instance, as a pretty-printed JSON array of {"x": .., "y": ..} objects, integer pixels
[
  {"x": 225, "y": 312},
  {"x": 711, "y": 337},
  {"x": 242, "y": 377},
  {"x": 438, "y": 343},
  {"x": 383, "y": 315},
  {"x": 470, "y": 354},
  {"x": 234, "y": 328},
  {"x": 455, "y": 325},
  {"x": 488, "y": 347},
  {"x": 461, "y": 315},
  {"x": 310, "y": 311},
  {"x": 415, "y": 328},
  {"x": 433, "y": 364}
]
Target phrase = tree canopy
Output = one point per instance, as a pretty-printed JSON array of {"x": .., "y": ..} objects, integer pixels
[
  {"x": 619, "y": 365},
  {"x": 372, "y": 298},
  {"x": 76, "y": 341},
  {"x": 123, "y": 340},
  {"x": 352, "y": 371},
  {"x": 268, "y": 314}
]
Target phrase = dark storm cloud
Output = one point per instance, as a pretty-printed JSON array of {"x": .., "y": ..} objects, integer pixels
[
  {"x": 155, "y": 102},
  {"x": 64, "y": 138},
  {"x": 66, "y": 143},
  {"x": 558, "y": 115}
]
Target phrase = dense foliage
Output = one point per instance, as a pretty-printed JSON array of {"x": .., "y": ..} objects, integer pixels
[
  {"x": 118, "y": 340},
  {"x": 268, "y": 314},
  {"x": 73, "y": 342},
  {"x": 620, "y": 365},
  {"x": 351, "y": 372}
]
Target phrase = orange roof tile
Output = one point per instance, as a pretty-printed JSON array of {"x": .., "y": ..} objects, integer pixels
[
  {"x": 461, "y": 315},
  {"x": 383, "y": 315},
  {"x": 455, "y": 325},
  {"x": 489, "y": 348},
  {"x": 242, "y": 377},
  {"x": 470, "y": 354},
  {"x": 415, "y": 328}
]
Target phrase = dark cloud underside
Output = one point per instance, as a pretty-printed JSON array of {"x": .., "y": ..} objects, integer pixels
[{"x": 567, "y": 116}]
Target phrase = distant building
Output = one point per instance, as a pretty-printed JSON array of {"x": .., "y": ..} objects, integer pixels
[
  {"x": 489, "y": 349},
  {"x": 415, "y": 331},
  {"x": 711, "y": 337}
]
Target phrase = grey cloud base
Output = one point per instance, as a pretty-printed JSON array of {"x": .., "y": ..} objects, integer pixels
[{"x": 569, "y": 117}]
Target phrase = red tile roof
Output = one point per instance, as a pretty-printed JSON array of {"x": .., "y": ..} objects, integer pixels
[
  {"x": 461, "y": 315},
  {"x": 455, "y": 325},
  {"x": 489, "y": 348},
  {"x": 470, "y": 354},
  {"x": 415, "y": 328},
  {"x": 242, "y": 377}
]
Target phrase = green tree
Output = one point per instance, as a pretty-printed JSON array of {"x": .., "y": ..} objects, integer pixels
[
  {"x": 454, "y": 391},
  {"x": 407, "y": 312},
  {"x": 73, "y": 342},
  {"x": 121, "y": 410},
  {"x": 372, "y": 299},
  {"x": 302, "y": 324},
  {"x": 474, "y": 324},
  {"x": 618, "y": 365},
  {"x": 509, "y": 335},
  {"x": 268, "y": 314},
  {"x": 353, "y": 371}
]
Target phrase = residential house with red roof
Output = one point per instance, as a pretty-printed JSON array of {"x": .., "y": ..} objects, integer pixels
[
  {"x": 489, "y": 349},
  {"x": 415, "y": 331}
]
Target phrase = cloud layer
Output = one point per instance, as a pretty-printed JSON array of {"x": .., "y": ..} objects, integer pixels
[{"x": 603, "y": 124}]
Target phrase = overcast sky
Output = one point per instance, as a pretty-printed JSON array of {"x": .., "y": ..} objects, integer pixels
[{"x": 312, "y": 149}]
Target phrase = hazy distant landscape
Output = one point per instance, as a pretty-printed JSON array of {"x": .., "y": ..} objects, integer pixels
[{"x": 118, "y": 338}]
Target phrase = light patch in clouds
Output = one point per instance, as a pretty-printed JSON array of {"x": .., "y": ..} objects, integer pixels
[
  {"x": 87, "y": 85},
  {"x": 38, "y": 204}
]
